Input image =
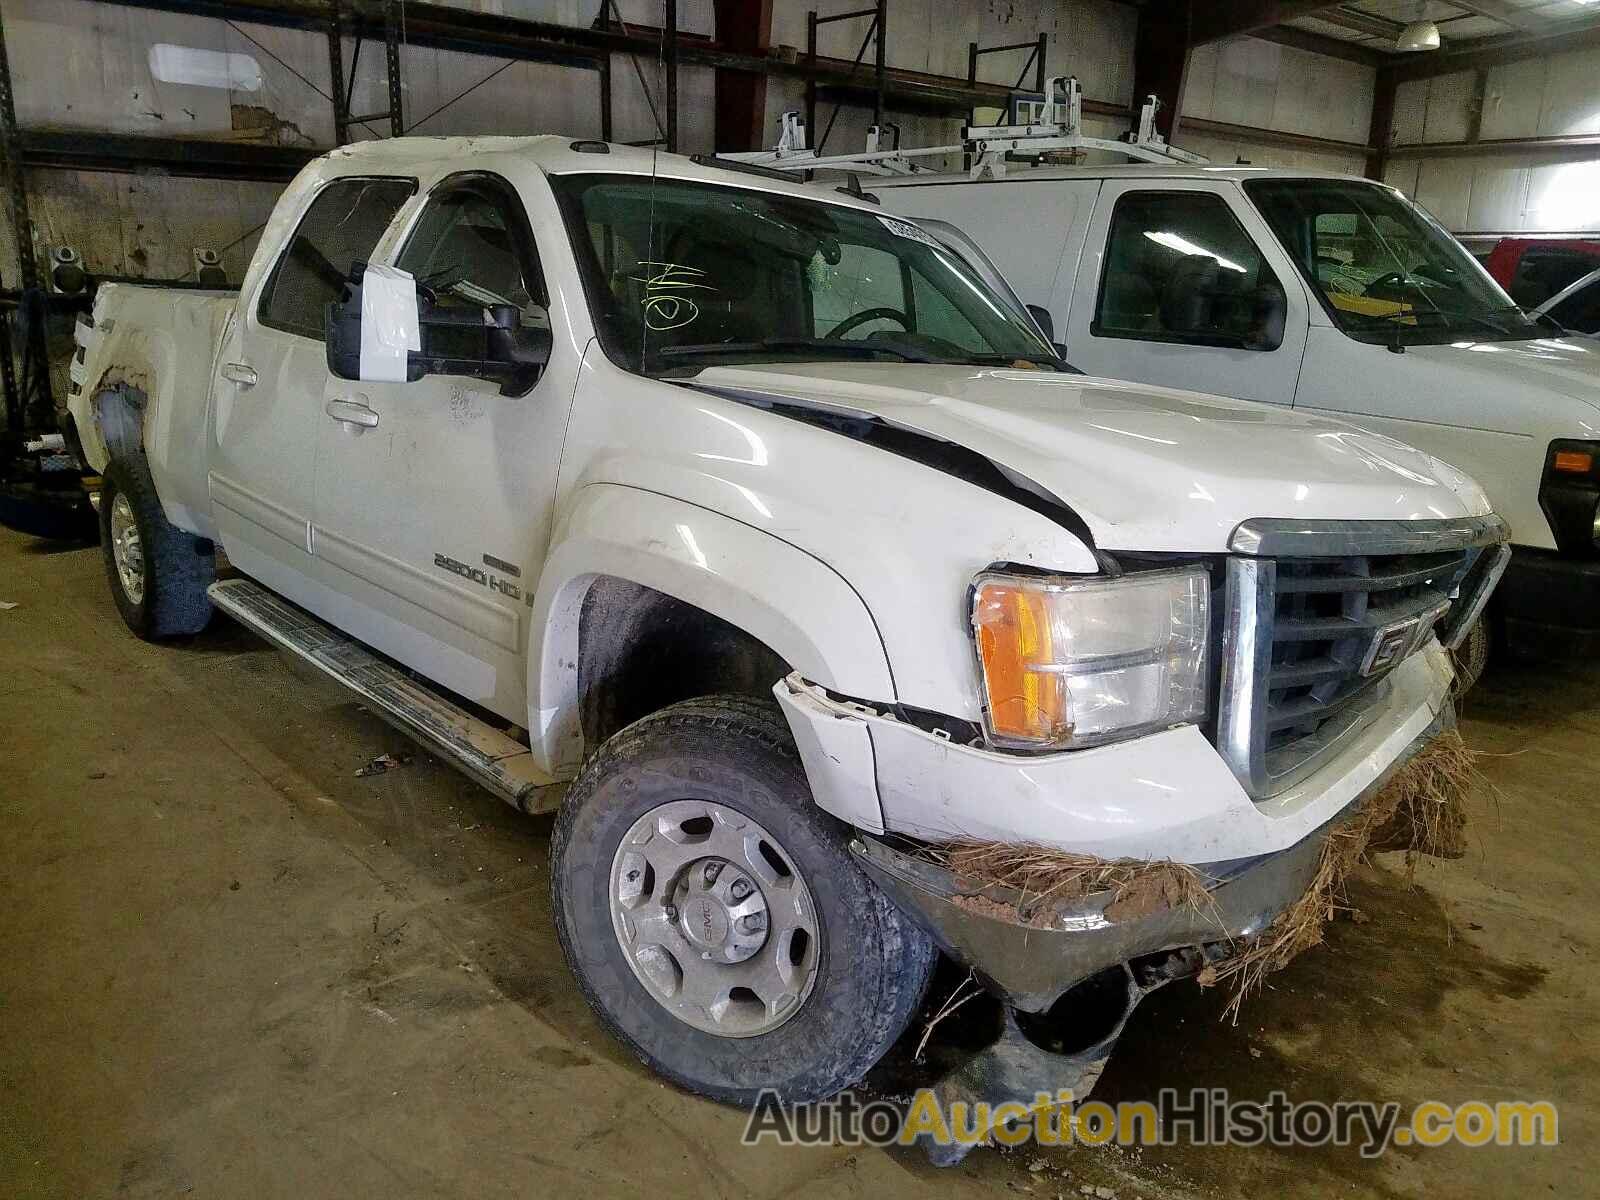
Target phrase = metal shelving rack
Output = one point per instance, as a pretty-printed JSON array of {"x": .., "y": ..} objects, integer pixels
[{"x": 392, "y": 23}]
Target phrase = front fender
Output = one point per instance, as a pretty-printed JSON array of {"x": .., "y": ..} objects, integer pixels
[{"x": 794, "y": 603}]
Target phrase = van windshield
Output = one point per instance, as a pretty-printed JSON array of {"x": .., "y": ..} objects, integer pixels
[
  {"x": 680, "y": 275},
  {"x": 1387, "y": 272}
]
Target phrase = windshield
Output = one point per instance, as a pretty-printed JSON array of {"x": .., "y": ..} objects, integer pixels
[
  {"x": 680, "y": 275},
  {"x": 1386, "y": 270}
]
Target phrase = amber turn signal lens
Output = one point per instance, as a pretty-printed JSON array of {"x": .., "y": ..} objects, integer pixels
[
  {"x": 1027, "y": 700},
  {"x": 1573, "y": 462}
]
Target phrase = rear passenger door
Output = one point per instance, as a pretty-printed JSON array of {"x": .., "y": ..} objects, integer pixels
[{"x": 1169, "y": 289}]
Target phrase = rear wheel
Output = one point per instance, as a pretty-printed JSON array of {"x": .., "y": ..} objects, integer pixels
[
  {"x": 715, "y": 917},
  {"x": 158, "y": 573}
]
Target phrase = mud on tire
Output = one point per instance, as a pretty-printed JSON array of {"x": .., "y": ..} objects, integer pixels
[
  {"x": 872, "y": 964},
  {"x": 158, "y": 573}
]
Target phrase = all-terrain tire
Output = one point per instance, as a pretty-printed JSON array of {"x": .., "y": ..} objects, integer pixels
[
  {"x": 177, "y": 566},
  {"x": 874, "y": 964}
]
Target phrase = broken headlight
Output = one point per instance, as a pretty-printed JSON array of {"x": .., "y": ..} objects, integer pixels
[{"x": 1075, "y": 662}]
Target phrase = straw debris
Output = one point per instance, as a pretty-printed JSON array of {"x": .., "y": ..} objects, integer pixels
[
  {"x": 1039, "y": 881},
  {"x": 1421, "y": 810}
]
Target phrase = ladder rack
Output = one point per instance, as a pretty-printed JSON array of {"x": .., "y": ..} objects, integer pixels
[{"x": 1058, "y": 130}]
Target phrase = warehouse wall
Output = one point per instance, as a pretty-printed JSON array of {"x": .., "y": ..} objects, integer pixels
[
  {"x": 1532, "y": 190},
  {"x": 1263, "y": 85},
  {"x": 79, "y": 65},
  {"x": 1092, "y": 39}
]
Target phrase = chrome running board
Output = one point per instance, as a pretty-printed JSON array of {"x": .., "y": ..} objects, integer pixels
[{"x": 485, "y": 754}]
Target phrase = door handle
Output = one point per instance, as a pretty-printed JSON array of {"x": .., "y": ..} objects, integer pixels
[
  {"x": 352, "y": 413},
  {"x": 241, "y": 373}
]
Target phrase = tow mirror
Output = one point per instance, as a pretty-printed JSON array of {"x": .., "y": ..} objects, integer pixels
[{"x": 384, "y": 329}]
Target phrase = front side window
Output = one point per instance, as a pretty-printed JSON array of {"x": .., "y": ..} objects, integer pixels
[
  {"x": 1180, "y": 268},
  {"x": 682, "y": 274},
  {"x": 1385, "y": 270},
  {"x": 341, "y": 227},
  {"x": 471, "y": 248}
]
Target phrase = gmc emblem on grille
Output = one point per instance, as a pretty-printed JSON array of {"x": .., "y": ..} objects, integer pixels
[{"x": 1395, "y": 642}]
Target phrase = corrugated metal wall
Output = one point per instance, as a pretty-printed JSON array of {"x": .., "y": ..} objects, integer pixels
[
  {"x": 80, "y": 65},
  {"x": 1536, "y": 190}
]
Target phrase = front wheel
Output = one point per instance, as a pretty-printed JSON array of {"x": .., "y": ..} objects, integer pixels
[{"x": 715, "y": 918}]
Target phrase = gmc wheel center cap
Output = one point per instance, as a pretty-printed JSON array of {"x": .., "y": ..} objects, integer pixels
[{"x": 720, "y": 911}]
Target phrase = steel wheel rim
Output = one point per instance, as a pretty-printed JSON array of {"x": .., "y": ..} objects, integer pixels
[
  {"x": 127, "y": 549},
  {"x": 720, "y": 958}
]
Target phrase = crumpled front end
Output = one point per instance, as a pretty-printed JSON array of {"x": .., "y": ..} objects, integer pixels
[{"x": 1031, "y": 952}]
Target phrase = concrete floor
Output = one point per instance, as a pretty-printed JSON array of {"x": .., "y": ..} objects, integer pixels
[{"x": 232, "y": 968}]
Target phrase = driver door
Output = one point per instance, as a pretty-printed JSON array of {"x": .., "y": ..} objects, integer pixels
[
  {"x": 434, "y": 497},
  {"x": 1164, "y": 293}
]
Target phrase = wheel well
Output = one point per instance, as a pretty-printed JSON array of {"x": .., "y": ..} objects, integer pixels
[
  {"x": 640, "y": 650},
  {"x": 119, "y": 415}
]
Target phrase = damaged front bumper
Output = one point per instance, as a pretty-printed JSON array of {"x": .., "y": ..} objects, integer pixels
[
  {"x": 1030, "y": 958},
  {"x": 1166, "y": 796}
]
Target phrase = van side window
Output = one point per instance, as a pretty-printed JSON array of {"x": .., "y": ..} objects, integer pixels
[
  {"x": 341, "y": 226},
  {"x": 1179, "y": 268}
]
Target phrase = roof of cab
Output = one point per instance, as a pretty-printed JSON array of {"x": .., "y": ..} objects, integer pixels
[{"x": 557, "y": 155}]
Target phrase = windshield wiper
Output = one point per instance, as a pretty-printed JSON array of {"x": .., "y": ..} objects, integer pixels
[
  {"x": 1005, "y": 360},
  {"x": 832, "y": 346},
  {"x": 1536, "y": 316}
]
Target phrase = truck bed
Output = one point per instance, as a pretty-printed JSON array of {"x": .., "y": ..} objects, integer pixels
[{"x": 154, "y": 349}]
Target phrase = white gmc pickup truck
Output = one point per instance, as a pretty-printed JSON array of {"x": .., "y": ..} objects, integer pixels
[{"x": 581, "y": 464}]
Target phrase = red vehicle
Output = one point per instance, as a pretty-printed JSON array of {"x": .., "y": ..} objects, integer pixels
[{"x": 1534, "y": 269}]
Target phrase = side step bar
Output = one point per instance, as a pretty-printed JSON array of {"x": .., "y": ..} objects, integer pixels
[{"x": 491, "y": 758}]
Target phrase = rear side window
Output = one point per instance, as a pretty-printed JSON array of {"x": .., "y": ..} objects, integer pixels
[
  {"x": 342, "y": 226},
  {"x": 1581, "y": 310},
  {"x": 1543, "y": 271},
  {"x": 1179, "y": 268}
]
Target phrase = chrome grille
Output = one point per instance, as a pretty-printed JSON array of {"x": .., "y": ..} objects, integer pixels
[{"x": 1310, "y": 638}]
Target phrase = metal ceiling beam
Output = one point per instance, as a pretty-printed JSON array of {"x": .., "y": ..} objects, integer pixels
[
  {"x": 1330, "y": 47},
  {"x": 1362, "y": 22},
  {"x": 1213, "y": 21},
  {"x": 1580, "y": 34},
  {"x": 1506, "y": 14}
]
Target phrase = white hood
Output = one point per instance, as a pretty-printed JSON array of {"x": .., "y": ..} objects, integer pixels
[
  {"x": 1518, "y": 387},
  {"x": 1151, "y": 469}
]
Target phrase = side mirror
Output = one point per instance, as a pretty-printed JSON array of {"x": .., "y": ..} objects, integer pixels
[
  {"x": 384, "y": 330},
  {"x": 1269, "y": 314},
  {"x": 1042, "y": 318}
]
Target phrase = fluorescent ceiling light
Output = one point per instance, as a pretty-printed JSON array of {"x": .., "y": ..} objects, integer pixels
[{"x": 1419, "y": 35}]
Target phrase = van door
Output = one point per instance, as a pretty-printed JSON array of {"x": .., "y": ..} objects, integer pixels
[
  {"x": 434, "y": 498},
  {"x": 267, "y": 403},
  {"x": 1180, "y": 286}
]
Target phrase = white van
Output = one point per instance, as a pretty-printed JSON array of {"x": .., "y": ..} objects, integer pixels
[{"x": 1324, "y": 292}]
